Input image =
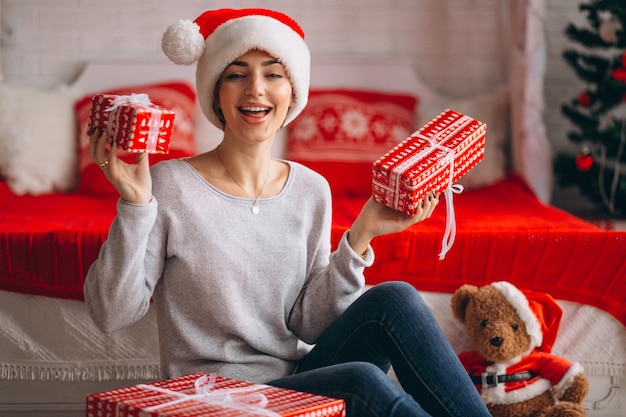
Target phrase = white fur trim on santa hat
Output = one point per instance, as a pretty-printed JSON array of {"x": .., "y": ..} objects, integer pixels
[{"x": 520, "y": 302}]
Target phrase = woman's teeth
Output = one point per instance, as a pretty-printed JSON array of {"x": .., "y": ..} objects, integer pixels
[{"x": 251, "y": 109}]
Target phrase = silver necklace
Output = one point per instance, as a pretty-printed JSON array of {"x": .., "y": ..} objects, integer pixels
[{"x": 255, "y": 200}]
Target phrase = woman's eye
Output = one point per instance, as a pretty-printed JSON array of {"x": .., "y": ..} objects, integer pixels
[{"x": 234, "y": 76}]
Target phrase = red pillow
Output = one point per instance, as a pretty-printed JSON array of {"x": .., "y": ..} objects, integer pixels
[
  {"x": 341, "y": 132},
  {"x": 177, "y": 96}
]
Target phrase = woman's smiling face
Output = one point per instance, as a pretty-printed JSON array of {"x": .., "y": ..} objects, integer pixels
[{"x": 254, "y": 96}]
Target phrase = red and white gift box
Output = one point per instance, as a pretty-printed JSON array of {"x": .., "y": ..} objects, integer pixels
[
  {"x": 431, "y": 159},
  {"x": 209, "y": 395},
  {"x": 133, "y": 122}
]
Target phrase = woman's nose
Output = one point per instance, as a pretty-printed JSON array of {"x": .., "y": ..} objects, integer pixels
[{"x": 255, "y": 85}]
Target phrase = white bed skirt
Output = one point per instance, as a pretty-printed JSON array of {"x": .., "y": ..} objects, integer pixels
[
  {"x": 51, "y": 347},
  {"x": 45, "y": 338}
]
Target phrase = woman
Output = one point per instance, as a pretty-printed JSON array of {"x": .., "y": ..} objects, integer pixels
[{"x": 234, "y": 247}]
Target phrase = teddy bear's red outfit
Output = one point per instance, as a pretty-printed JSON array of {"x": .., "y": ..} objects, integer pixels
[{"x": 550, "y": 371}]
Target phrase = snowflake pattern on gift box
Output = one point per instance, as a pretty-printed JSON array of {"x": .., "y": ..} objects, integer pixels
[
  {"x": 135, "y": 127},
  {"x": 431, "y": 159}
]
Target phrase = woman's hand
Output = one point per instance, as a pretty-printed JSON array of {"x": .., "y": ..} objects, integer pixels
[
  {"x": 132, "y": 181},
  {"x": 376, "y": 219}
]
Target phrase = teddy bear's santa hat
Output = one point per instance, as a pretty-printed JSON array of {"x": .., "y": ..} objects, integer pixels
[
  {"x": 539, "y": 312},
  {"x": 217, "y": 37}
]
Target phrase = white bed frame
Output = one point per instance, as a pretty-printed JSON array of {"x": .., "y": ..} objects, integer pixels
[{"x": 588, "y": 335}]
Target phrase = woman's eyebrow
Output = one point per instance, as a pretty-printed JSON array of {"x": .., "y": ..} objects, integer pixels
[{"x": 264, "y": 63}]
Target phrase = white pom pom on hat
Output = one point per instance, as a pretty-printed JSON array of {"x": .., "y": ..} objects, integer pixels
[
  {"x": 217, "y": 37},
  {"x": 183, "y": 43}
]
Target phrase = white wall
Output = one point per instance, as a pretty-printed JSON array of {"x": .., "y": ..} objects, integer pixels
[
  {"x": 51, "y": 39},
  {"x": 456, "y": 46},
  {"x": 1, "y": 4}
]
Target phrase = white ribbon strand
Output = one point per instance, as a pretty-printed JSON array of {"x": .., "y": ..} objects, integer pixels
[
  {"x": 450, "y": 233},
  {"x": 245, "y": 399}
]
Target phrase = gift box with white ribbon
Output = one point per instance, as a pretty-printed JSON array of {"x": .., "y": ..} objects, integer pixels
[
  {"x": 133, "y": 122},
  {"x": 430, "y": 160},
  {"x": 209, "y": 395}
]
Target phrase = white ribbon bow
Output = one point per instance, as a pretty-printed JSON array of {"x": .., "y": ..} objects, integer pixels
[
  {"x": 141, "y": 100},
  {"x": 450, "y": 232},
  {"x": 154, "y": 123},
  {"x": 242, "y": 399}
]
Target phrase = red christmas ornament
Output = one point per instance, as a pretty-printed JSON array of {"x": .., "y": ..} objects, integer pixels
[
  {"x": 620, "y": 73},
  {"x": 584, "y": 161},
  {"x": 584, "y": 99}
]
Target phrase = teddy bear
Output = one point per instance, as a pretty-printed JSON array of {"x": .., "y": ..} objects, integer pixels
[{"x": 512, "y": 333}]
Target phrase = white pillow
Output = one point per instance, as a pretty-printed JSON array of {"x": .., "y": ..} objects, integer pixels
[
  {"x": 38, "y": 149},
  {"x": 491, "y": 108}
]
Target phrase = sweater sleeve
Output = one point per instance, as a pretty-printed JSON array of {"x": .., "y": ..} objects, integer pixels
[
  {"x": 120, "y": 283},
  {"x": 334, "y": 280}
]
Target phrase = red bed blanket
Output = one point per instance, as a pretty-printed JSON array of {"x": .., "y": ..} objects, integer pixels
[
  {"x": 47, "y": 244},
  {"x": 503, "y": 233}
]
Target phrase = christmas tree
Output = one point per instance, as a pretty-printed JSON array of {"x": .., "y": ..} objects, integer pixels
[{"x": 599, "y": 111}]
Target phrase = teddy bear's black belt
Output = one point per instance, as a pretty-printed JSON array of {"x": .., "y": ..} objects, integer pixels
[{"x": 490, "y": 379}]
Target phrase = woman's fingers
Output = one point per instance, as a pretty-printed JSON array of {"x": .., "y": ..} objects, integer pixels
[
  {"x": 426, "y": 208},
  {"x": 98, "y": 147},
  {"x": 132, "y": 181},
  {"x": 110, "y": 156},
  {"x": 432, "y": 201},
  {"x": 93, "y": 142}
]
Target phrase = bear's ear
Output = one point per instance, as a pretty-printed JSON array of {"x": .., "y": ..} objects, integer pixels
[{"x": 460, "y": 299}]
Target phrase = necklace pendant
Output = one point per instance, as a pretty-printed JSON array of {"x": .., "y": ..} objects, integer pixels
[{"x": 255, "y": 208}]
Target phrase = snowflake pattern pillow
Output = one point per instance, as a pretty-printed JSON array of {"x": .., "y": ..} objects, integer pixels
[{"x": 341, "y": 132}]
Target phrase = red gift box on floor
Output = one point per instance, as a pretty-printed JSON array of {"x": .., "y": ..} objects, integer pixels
[
  {"x": 210, "y": 395},
  {"x": 133, "y": 122},
  {"x": 431, "y": 159}
]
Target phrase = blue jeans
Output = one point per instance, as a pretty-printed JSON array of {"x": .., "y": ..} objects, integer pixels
[{"x": 389, "y": 325}]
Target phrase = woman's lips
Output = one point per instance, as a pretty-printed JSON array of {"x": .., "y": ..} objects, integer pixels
[{"x": 254, "y": 111}]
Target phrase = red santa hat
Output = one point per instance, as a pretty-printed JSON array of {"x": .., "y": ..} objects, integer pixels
[
  {"x": 539, "y": 312},
  {"x": 218, "y": 37}
]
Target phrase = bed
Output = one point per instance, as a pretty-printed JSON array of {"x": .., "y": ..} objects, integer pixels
[{"x": 49, "y": 345}]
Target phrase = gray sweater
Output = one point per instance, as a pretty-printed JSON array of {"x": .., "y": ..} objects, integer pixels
[{"x": 236, "y": 293}]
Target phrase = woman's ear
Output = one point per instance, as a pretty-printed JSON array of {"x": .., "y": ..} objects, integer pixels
[{"x": 217, "y": 108}]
